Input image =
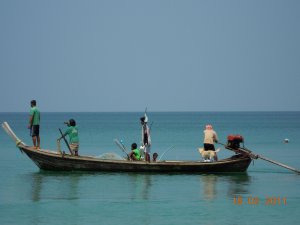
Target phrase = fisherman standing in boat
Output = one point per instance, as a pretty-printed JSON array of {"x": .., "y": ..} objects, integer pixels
[
  {"x": 210, "y": 137},
  {"x": 72, "y": 131},
  {"x": 146, "y": 139},
  {"x": 34, "y": 124}
]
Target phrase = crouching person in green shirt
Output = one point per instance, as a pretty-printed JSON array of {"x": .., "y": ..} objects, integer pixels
[
  {"x": 72, "y": 132},
  {"x": 135, "y": 153}
]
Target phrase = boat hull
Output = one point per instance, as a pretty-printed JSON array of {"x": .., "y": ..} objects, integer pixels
[{"x": 54, "y": 161}]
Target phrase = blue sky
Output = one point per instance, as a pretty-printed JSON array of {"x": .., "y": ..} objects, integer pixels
[{"x": 167, "y": 55}]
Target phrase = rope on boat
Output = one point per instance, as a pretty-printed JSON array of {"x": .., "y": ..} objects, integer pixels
[{"x": 18, "y": 142}]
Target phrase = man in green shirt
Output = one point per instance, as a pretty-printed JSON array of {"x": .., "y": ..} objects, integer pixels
[
  {"x": 34, "y": 124},
  {"x": 135, "y": 153},
  {"x": 72, "y": 132}
]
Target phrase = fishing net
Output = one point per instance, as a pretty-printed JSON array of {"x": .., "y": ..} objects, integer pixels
[{"x": 110, "y": 156}]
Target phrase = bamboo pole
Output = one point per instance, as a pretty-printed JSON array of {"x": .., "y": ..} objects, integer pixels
[
  {"x": 256, "y": 156},
  {"x": 279, "y": 164}
]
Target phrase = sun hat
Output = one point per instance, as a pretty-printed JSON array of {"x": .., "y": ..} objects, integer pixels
[{"x": 208, "y": 127}]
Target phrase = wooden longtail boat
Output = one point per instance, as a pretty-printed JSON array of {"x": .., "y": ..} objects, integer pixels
[{"x": 57, "y": 161}]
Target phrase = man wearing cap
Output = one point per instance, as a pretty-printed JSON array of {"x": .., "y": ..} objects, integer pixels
[
  {"x": 210, "y": 137},
  {"x": 72, "y": 131}
]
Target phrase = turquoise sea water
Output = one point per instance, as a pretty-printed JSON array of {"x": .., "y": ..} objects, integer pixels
[{"x": 30, "y": 196}]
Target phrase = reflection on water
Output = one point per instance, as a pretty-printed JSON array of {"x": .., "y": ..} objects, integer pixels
[
  {"x": 234, "y": 184},
  {"x": 37, "y": 181},
  {"x": 54, "y": 185},
  {"x": 70, "y": 186},
  {"x": 209, "y": 186},
  {"x": 63, "y": 182},
  {"x": 141, "y": 184},
  {"x": 238, "y": 184}
]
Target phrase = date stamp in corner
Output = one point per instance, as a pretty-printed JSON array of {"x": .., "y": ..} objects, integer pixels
[{"x": 267, "y": 201}]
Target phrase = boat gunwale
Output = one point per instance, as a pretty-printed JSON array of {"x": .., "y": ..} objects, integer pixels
[
  {"x": 56, "y": 160},
  {"x": 59, "y": 155}
]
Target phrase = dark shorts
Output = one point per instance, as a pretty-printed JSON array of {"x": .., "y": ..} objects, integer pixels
[
  {"x": 35, "y": 131},
  {"x": 208, "y": 147}
]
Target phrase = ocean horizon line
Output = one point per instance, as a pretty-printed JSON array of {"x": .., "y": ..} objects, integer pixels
[{"x": 166, "y": 111}]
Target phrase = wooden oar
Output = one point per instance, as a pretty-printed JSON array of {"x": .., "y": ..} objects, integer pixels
[
  {"x": 256, "y": 156},
  {"x": 62, "y": 136}
]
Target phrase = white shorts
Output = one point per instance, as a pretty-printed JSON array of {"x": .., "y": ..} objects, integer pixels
[{"x": 147, "y": 149}]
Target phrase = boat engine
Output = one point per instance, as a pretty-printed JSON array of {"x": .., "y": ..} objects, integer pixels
[{"x": 234, "y": 141}]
